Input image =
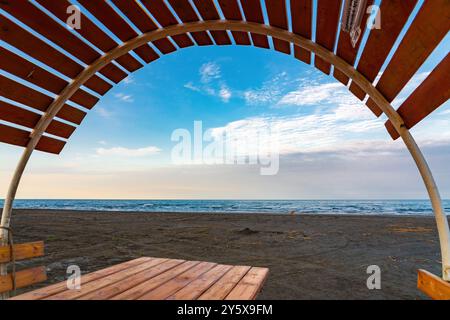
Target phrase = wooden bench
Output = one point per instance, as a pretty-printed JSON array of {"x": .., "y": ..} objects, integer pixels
[
  {"x": 159, "y": 279},
  {"x": 22, "y": 278},
  {"x": 433, "y": 286}
]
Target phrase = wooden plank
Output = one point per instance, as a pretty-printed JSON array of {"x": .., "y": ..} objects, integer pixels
[
  {"x": 187, "y": 14},
  {"x": 220, "y": 289},
  {"x": 165, "y": 18},
  {"x": 144, "y": 22},
  {"x": 30, "y": 72},
  {"x": 179, "y": 282},
  {"x": 345, "y": 49},
  {"x": 424, "y": 34},
  {"x": 18, "y": 92},
  {"x": 36, "y": 48},
  {"x": 91, "y": 32},
  {"x": 39, "y": 50},
  {"x": 231, "y": 11},
  {"x": 301, "y": 12},
  {"x": 433, "y": 286},
  {"x": 26, "y": 118},
  {"x": 428, "y": 96},
  {"x": 22, "y": 251},
  {"x": 326, "y": 30},
  {"x": 250, "y": 285},
  {"x": 37, "y": 20},
  {"x": 394, "y": 13},
  {"x": 146, "y": 286},
  {"x": 374, "y": 108},
  {"x": 197, "y": 287},
  {"x": 276, "y": 11},
  {"x": 105, "y": 281},
  {"x": 24, "y": 278},
  {"x": 62, "y": 286},
  {"x": 114, "y": 22},
  {"x": 132, "y": 281},
  {"x": 253, "y": 13},
  {"x": 208, "y": 11},
  {"x": 19, "y": 137}
]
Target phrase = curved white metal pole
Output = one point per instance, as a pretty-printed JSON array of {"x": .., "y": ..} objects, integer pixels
[{"x": 348, "y": 70}]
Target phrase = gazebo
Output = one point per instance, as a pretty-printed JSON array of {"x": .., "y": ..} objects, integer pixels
[{"x": 78, "y": 65}]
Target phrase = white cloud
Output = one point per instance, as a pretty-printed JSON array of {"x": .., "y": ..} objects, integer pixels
[
  {"x": 321, "y": 132},
  {"x": 192, "y": 87},
  {"x": 124, "y": 97},
  {"x": 225, "y": 93},
  {"x": 127, "y": 152},
  {"x": 269, "y": 92},
  {"x": 103, "y": 112},
  {"x": 313, "y": 95},
  {"x": 209, "y": 71},
  {"x": 128, "y": 80}
]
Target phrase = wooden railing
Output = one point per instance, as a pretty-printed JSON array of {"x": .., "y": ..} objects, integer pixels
[{"x": 23, "y": 278}]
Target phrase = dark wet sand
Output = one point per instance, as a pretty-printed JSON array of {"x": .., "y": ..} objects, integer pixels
[{"x": 310, "y": 257}]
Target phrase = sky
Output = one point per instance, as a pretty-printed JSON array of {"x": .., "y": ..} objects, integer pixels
[{"x": 330, "y": 145}]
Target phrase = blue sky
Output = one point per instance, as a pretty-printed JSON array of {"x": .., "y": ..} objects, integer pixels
[{"x": 331, "y": 145}]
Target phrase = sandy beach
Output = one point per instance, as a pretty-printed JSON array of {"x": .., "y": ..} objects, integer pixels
[{"x": 309, "y": 256}]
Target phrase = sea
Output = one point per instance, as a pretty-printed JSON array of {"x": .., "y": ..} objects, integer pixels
[{"x": 355, "y": 207}]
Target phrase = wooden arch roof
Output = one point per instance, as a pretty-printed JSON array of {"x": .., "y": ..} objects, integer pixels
[{"x": 42, "y": 56}]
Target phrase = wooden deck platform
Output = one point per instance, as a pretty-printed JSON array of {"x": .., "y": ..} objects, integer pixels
[{"x": 159, "y": 279}]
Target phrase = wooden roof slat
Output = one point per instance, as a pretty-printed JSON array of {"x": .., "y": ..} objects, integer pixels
[
  {"x": 164, "y": 16},
  {"x": 144, "y": 22},
  {"x": 231, "y": 11},
  {"x": 40, "y": 22},
  {"x": 19, "y": 137},
  {"x": 187, "y": 14},
  {"x": 18, "y": 92},
  {"x": 326, "y": 30},
  {"x": 62, "y": 286},
  {"x": 428, "y": 96},
  {"x": 28, "y": 71},
  {"x": 114, "y": 22},
  {"x": 346, "y": 51},
  {"x": 128, "y": 283},
  {"x": 178, "y": 282},
  {"x": 301, "y": 12},
  {"x": 26, "y": 118},
  {"x": 395, "y": 14},
  {"x": 91, "y": 32},
  {"x": 276, "y": 10},
  {"x": 220, "y": 289},
  {"x": 208, "y": 11},
  {"x": 31, "y": 45},
  {"x": 253, "y": 13},
  {"x": 201, "y": 284},
  {"x": 23, "y": 40},
  {"x": 250, "y": 285},
  {"x": 429, "y": 27}
]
